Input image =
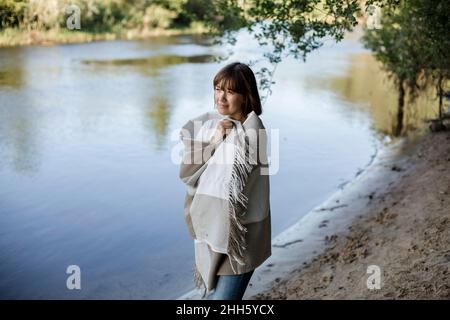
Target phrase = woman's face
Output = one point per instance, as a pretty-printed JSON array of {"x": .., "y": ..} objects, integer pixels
[{"x": 228, "y": 102}]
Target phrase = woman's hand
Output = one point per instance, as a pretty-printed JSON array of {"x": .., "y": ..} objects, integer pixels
[{"x": 223, "y": 128}]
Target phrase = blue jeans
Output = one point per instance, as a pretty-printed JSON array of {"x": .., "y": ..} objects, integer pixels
[{"x": 231, "y": 287}]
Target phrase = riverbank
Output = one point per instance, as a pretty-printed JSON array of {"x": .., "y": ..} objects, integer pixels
[
  {"x": 14, "y": 37},
  {"x": 398, "y": 218}
]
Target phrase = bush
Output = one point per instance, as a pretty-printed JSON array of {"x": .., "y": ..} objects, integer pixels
[
  {"x": 11, "y": 13},
  {"x": 102, "y": 15}
]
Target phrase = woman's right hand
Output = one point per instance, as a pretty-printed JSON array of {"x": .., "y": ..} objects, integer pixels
[{"x": 223, "y": 128}]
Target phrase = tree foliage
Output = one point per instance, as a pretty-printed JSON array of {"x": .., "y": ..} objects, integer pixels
[{"x": 413, "y": 45}]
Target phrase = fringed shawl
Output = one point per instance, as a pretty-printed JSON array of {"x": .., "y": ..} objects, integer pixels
[{"x": 216, "y": 175}]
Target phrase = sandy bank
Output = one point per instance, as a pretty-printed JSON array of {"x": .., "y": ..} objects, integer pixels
[{"x": 396, "y": 217}]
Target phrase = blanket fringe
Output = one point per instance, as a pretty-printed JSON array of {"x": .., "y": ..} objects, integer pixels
[
  {"x": 238, "y": 203},
  {"x": 198, "y": 280}
]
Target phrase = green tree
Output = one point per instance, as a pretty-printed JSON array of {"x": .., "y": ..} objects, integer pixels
[
  {"x": 395, "y": 46},
  {"x": 11, "y": 13},
  {"x": 414, "y": 47},
  {"x": 434, "y": 26},
  {"x": 286, "y": 27}
]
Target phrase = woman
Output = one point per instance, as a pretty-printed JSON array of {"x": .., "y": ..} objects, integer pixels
[{"x": 225, "y": 168}]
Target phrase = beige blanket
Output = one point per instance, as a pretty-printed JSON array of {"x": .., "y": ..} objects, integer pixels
[{"x": 217, "y": 174}]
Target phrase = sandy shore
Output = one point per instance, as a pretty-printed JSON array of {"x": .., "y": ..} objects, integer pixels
[{"x": 398, "y": 220}]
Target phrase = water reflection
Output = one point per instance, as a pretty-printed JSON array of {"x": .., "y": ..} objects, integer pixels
[
  {"x": 164, "y": 41},
  {"x": 367, "y": 85},
  {"x": 12, "y": 77},
  {"x": 151, "y": 65},
  {"x": 157, "y": 119},
  {"x": 12, "y": 72},
  {"x": 20, "y": 140},
  {"x": 25, "y": 157}
]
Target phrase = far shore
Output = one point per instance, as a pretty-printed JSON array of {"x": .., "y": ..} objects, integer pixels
[{"x": 15, "y": 37}]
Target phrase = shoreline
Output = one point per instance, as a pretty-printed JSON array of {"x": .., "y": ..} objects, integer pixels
[
  {"x": 398, "y": 220},
  {"x": 10, "y": 38},
  {"x": 299, "y": 244}
]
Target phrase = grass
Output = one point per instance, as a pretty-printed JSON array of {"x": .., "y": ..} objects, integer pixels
[{"x": 16, "y": 37}]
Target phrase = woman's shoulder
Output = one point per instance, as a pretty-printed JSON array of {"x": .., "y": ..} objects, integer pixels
[{"x": 253, "y": 121}]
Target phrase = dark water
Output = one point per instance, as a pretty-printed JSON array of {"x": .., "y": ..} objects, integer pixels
[{"x": 86, "y": 174}]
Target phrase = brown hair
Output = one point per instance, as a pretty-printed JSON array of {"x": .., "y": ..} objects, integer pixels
[{"x": 239, "y": 78}]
